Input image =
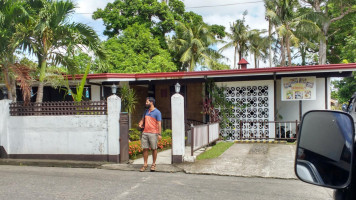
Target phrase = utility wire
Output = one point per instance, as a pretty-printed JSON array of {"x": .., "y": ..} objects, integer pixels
[{"x": 231, "y": 4}]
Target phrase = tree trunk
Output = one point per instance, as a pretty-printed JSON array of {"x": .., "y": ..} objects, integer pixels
[
  {"x": 7, "y": 82},
  {"x": 288, "y": 51},
  {"x": 270, "y": 41},
  {"x": 235, "y": 57},
  {"x": 322, "y": 44},
  {"x": 191, "y": 67},
  {"x": 303, "y": 54},
  {"x": 240, "y": 56},
  {"x": 39, "y": 96},
  {"x": 13, "y": 89},
  {"x": 255, "y": 58},
  {"x": 283, "y": 56}
]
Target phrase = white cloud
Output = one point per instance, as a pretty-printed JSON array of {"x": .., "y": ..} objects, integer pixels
[{"x": 90, "y": 6}]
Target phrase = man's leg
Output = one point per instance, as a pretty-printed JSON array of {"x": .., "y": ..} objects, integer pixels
[
  {"x": 145, "y": 146},
  {"x": 154, "y": 155},
  {"x": 145, "y": 156}
]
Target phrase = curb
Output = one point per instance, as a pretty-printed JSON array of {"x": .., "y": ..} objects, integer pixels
[
  {"x": 261, "y": 142},
  {"x": 52, "y": 163},
  {"x": 87, "y": 164}
]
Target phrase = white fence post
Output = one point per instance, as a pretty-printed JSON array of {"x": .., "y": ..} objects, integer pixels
[
  {"x": 114, "y": 109},
  {"x": 4, "y": 116},
  {"x": 178, "y": 146}
]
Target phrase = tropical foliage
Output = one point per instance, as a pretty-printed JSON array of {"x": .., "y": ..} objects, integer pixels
[
  {"x": 128, "y": 98},
  {"x": 48, "y": 33},
  {"x": 13, "y": 13},
  {"x": 192, "y": 43},
  {"x": 238, "y": 39},
  {"x": 137, "y": 51}
]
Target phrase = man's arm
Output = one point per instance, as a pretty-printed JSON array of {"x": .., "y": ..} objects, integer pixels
[
  {"x": 159, "y": 130},
  {"x": 140, "y": 124}
]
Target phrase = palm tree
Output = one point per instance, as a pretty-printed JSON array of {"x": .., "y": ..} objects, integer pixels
[
  {"x": 238, "y": 38},
  {"x": 280, "y": 13},
  {"x": 11, "y": 14},
  {"x": 258, "y": 45},
  {"x": 291, "y": 26},
  {"x": 192, "y": 43},
  {"x": 49, "y": 34}
]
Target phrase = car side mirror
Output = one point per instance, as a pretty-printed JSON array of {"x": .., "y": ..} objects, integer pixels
[{"x": 324, "y": 153}]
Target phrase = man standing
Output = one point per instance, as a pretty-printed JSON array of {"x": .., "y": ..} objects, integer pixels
[{"x": 151, "y": 124}]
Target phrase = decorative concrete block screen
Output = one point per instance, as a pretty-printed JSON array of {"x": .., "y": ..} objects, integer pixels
[
  {"x": 59, "y": 108},
  {"x": 253, "y": 111}
]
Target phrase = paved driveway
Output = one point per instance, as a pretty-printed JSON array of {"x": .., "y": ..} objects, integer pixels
[{"x": 250, "y": 160}]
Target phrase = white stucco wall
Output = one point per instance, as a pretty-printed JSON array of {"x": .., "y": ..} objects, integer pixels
[
  {"x": 58, "y": 134},
  {"x": 4, "y": 116},
  {"x": 289, "y": 110},
  {"x": 71, "y": 134}
]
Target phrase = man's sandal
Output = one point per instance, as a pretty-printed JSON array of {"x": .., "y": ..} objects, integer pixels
[
  {"x": 153, "y": 167},
  {"x": 143, "y": 168}
]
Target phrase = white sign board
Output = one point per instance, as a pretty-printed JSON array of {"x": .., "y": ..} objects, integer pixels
[{"x": 298, "y": 88}]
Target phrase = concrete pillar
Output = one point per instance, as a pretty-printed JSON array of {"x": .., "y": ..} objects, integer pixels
[
  {"x": 178, "y": 146},
  {"x": 4, "y": 133},
  {"x": 114, "y": 109}
]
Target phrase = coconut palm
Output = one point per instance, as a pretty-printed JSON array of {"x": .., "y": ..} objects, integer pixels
[
  {"x": 280, "y": 13},
  {"x": 238, "y": 39},
  {"x": 192, "y": 43},
  {"x": 50, "y": 34},
  {"x": 258, "y": 45},
  {"x": 290, "y": 26}
]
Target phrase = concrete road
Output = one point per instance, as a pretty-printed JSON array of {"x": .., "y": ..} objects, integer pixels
[{"x": 21, "y": 182}]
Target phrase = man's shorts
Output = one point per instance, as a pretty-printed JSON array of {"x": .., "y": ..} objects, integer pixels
[{"x": 149, "y": 140}]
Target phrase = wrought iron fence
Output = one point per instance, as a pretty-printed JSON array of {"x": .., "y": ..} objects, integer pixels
[
  {"x": 284, "y": 130},
  {"x": 59, "y": 108}
]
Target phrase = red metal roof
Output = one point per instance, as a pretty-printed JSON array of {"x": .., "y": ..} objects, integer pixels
[
  {"x": 234, "y": 72},
  {"x": 242, "y": 61}
]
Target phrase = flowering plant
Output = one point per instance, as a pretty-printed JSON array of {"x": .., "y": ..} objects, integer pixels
[{"x": 136, "y": 149}]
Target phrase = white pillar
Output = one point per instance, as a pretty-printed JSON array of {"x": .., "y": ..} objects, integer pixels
[
  {"x": 114, "y": 109},
  {"x": 4, "y": 133},
  {"x": 178, "y": 144}
]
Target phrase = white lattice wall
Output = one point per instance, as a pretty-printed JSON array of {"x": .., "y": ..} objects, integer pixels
[{"x": 258, "y": 98}]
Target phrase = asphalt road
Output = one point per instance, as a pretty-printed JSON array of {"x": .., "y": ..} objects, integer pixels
[{"x": 22, "y": 182}]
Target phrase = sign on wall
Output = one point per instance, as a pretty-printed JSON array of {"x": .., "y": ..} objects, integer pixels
[{"x": 298, "y": 88}]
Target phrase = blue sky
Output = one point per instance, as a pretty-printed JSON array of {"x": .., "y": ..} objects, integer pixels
[{"x": 222, "y": 15}]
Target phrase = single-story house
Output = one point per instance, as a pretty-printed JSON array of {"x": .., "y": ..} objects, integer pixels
[{"x": 279, "y": 94}]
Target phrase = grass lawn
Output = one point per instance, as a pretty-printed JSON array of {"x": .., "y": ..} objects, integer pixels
[{"x": 215, "y": 151}]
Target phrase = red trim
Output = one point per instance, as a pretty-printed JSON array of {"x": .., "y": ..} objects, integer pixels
[{"x": 222, "y": 72}]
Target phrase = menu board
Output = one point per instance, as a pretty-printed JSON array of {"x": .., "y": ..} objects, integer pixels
[{"x": 298, "y": 88}]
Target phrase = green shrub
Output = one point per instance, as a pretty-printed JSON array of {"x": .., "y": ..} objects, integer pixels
[
  {"x": 134, "y": 134},
  {"x": 167, "y": 133}
]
